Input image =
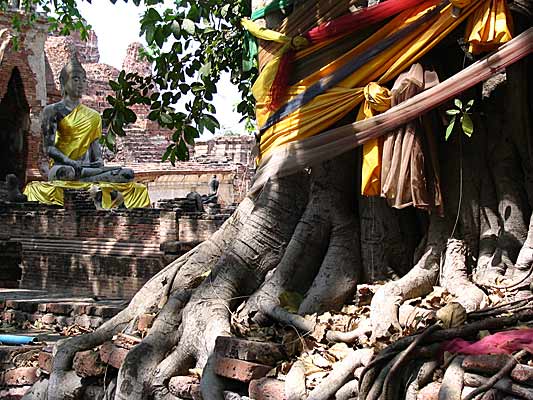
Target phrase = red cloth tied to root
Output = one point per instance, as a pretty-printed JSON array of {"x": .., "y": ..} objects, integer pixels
[{"x": 506, "y": 342}]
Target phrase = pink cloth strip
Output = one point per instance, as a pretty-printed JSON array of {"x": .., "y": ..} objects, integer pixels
[
  {"x": 506, "y": 342},
  {"x": 359, "y": 19},
  {"x": 295, "y": 156}
]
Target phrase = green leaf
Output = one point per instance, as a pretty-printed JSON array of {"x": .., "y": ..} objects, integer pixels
[
  {"x": 188, "y": 26},
  {"x": 150, "y": 34},
  {"x": 458, "y": 103},
  {"x": 210, "y": 123},
  {"x": 166, "y": 119},
  {"x": 470, "y": 103},
  {"x": 175, "y": 29},
  {"x": 190, "y": 133},
  {"x": 467, "y": 125},
  {"x": 129, "y": 116},
  {"x": 182, "y": 151},
  {"x": 114, "y": 85},
  {"x": 453, "y": 111},
  {"x": 449, "y": 129},
  {"x": 206, "y": 69}
]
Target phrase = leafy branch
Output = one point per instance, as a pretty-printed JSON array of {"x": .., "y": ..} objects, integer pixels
[
  {"x": 463, "y": 113},
  {"x": 190, "y": 45}
]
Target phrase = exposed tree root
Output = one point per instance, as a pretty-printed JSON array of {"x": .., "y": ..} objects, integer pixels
[
  {"x": 453, "y": 380},
  {"x": 295, "y": 382},
  {"x": 454, "y": 277},
  {"x": 419, "y": 281},
  {"x": 502, "y": 373},
  {"x": 340, "y": 374}
]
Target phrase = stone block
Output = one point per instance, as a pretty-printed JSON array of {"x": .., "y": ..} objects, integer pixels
[
  {"x": 20, "y": 376},
  {"x": 187, "y": 387},
  {"x": 145, "y": 322},
  {"x": 267, "y": 353},
  {"x": 267, "y": 389},
  {"x": 112, "y": 355},
  {"x": 45, "y": 361},
  {"x": 88, "y": 363},
  {"x": 243, "y": 371}
]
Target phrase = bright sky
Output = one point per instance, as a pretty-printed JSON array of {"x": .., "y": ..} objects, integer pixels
[{"x": 118, "y": 25}]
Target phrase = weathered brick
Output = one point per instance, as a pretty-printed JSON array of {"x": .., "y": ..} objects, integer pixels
[
  {"x": 267, "y": 353},
  {"x": 45, "y": 361},
  {"x": 187, "y": 387},
  {"x": 88, "y": 363},
  {"x": 267, "y": 389},
  {"x": 20, "y": 376},
  {"x": 59, "y": 308},
  {"x": 145, "y": 322},
  {"x": 429, "y": 392},
  {"x": 522, "y": 374},
  {"x": 14, "y": 393},
  {"x": 243, "y": 371},
  {"x": 485, "y": 363},
  {"x": 112, "y": 355}
]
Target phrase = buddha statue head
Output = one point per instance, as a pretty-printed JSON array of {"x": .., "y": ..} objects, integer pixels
[{"x": 73, "y": 79}]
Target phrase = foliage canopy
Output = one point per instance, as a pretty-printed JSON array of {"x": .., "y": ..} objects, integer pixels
[{"x": 190, "y": 44}]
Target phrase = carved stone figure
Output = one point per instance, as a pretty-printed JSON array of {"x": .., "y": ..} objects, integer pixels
[
  {"x": 71, "y": 131},
  {"x": 96, "y": 195},
  {"x": 212, "y": 197},
  {"x": 13, "y": 190}
]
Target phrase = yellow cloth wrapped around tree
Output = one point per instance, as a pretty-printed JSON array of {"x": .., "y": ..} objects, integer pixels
[
  {"x": 377, "y": 100},
  {"x": 489, "y": 26},
  {"x": 135, "y": 194},
  {"x": 328, "y": 107},
  {"x": 77, "y": 131}
]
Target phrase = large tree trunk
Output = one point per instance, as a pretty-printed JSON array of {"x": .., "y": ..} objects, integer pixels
[{"x": 311, "y": 234}]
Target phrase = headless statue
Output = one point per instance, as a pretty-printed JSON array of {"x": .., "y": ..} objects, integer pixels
[{"x": 71, "y": 132}]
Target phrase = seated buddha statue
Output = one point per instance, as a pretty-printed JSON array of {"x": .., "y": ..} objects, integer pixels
[{"x": 71, "y": 133}]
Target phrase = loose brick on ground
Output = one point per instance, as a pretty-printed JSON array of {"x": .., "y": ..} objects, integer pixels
[
  {"x": 45, "y": 361},
  {"x": 267, "y": 353},
  {"x": 522, "y": 374},
  {"x": 20, "y": 376},
  {"x": 267, "y": 389},
  {"x": 14, "y": 393},
  {"x": 243, "y": 371},
  {"x": 112, "y": 355},
  {"x": 88, "y": 363},
  {"x": 187, "y": 387},
  {"x": 145, "y": 322}
]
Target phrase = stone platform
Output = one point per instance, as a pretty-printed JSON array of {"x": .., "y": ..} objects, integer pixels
[{"x": 84, "y": 251}]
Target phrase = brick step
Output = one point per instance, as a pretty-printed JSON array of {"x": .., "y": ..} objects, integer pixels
[{"x": 111, "y": 248}]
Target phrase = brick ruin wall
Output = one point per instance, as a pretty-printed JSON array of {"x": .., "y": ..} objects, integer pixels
[{"x": 80, "y": 250}]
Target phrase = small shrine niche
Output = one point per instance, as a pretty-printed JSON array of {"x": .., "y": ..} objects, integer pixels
[{"x": 14, "y": 127}]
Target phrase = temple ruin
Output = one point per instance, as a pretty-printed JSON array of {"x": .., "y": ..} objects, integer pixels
[{"x": 76, "y": 248}]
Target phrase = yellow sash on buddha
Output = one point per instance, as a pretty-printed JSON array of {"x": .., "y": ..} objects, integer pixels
[
  {"x": 77, "y": 131},
  {"x": 135, "y": 194}
]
